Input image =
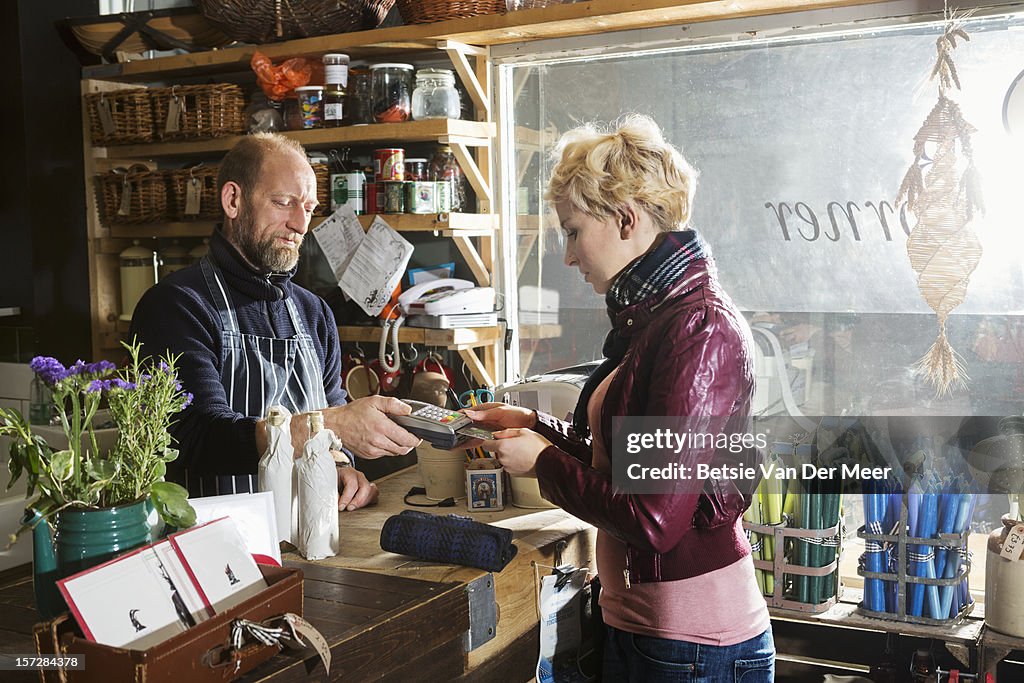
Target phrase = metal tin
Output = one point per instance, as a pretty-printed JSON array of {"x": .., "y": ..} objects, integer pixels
[
  {"x": 348, "y": 188},
  {"x": 394, "y": 197},
  {"x": 443, "y": 196},
  {"x": 420, "y": 197},
  {"x": 388, "y": 164},
  {"x": 374, "y": 198}
]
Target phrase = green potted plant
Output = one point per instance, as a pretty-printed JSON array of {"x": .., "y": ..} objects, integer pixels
[{"x": 97, "y": 502}]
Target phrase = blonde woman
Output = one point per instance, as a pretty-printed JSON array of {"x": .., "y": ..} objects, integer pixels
[{"x": 679, "y": 595}]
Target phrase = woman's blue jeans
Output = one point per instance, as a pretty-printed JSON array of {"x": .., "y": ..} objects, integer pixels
[{"x": 643, "y": 659}]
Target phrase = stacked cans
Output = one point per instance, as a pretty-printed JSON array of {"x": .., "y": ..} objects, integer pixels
[{"x": 402, "y": 185}]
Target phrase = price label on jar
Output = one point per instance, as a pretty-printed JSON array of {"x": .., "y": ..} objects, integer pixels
[{"x": 1013, "y": 546}]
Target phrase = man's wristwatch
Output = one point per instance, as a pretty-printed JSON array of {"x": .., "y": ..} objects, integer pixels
[{"x": 341, "y": 459}]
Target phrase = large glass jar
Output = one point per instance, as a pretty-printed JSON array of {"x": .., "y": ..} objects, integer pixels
[
  {"x": 360, "y": 106},
  {"x": 391, "y": 92},
  {"x": 435, "y": 96},
  {"x": 444, "y": 168},
  {"x": 335, "y": 86}
]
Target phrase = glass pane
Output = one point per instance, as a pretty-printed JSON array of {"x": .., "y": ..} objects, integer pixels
[{"x": 802, "y": 145}]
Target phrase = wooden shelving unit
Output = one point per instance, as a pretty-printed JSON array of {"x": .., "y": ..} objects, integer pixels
[
  {"x": 556, "y": 21},
  {"x": 444, "y": 131},
  {"x": 471, "y": 233}
]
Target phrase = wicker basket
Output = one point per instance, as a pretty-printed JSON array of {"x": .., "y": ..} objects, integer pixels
[
  {"x": 323, "y": 189},
  {"x": 204, "y": 111},
  {"x": 266, "y": 21},
  {"x": 146, "y": 201},
  {"x": 130, "y": 120},
  {"x": 204, "y": 181},
  {"x": 427, "y": 11}
]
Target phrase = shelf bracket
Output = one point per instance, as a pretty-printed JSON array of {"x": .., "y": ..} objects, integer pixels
[
  {"x": 476, "y": 367},
  {"x": 473, "y": 260},
  {"x": 457, "y": 52},
  {"x": 470, "y": 168}
]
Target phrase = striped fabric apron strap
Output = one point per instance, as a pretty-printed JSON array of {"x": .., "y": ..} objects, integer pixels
[{"x": 258, "y": 372}]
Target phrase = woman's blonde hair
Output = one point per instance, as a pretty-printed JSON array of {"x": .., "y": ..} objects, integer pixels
[{"x": 600, "y": 171}]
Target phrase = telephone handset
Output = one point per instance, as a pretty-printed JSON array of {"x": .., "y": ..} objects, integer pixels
[
  {"x": 436, "y": 297},
  {"x": 429, "y": 291}
]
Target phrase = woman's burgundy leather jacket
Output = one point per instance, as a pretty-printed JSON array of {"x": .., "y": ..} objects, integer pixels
[{"x": 689, "y": 355}]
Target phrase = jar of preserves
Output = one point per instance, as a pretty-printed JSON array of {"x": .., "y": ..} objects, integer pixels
[
  {"x": 360, "y": 107},
  {"x": 335, "y": 87},
  {"x": 445, "y": 170},
  {"x": 391, "y": 92},
  {"x": 435, "y": 96},
  {"x": 416, "y": 169}
]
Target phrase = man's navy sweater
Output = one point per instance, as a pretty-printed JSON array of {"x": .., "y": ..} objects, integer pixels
[{"x": 179, "y": 315}]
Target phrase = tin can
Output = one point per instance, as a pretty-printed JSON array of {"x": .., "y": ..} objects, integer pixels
[
  {"x": 443, "y": 196},
  {"x": 388, "y": 164},
  {"x": 348, "y": 188},
  {"x": 485, "y": 485},
  {"x": 394, "y": 197},
  {"x": 420, "y": 197},
  {"x": 374, "y": 198}
]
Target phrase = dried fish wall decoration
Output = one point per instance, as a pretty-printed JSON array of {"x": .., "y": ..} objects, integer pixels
[{"x": 942, "y": 191}]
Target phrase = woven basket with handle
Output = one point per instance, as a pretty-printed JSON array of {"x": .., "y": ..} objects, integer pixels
[
  {"x": 132, "y": 196},
  {"x": 203, "y": 111},
  {"x": 267, "y": 21},
  {"x": 428, "y": 11},
  {"x": 323, "y": 188},
  {"x": 119, "y": 117},
  {"x": 203, "y": 181}
]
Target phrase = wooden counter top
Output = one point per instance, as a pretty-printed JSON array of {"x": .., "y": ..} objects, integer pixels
[
  {"x": 537, "y": 533},
  {"x": 388, "y": 616}
]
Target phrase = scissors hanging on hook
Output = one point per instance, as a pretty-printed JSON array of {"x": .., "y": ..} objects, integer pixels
[{"x": 474, "y": 397}]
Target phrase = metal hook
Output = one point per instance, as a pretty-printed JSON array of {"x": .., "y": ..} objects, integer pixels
[
  {"x": 413, "y": 355},
  {"x": 468, "y": 375}
]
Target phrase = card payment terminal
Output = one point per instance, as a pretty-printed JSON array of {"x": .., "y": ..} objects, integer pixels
[{"x": 443, "y": 428}]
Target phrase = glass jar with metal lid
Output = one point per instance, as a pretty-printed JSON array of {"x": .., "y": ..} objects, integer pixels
[
  {"x": 335, "y": 86},
  {"x": 435, "y": 96},
  {"x": 391, "y": 92},
  {"x": 359, "y": 107}
]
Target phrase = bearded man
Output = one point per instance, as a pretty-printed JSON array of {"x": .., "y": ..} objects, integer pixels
[{"x": 250, "y": 338}]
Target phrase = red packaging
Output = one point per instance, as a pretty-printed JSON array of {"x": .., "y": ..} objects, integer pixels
[
  {"x": 388, "y": 164},
  {"x": 374, "y": 198}
]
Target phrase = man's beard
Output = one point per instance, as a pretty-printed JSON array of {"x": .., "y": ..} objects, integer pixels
[{"x": 265, "y": 254}]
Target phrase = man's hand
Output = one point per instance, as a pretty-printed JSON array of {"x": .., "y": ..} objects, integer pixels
[
  {"x": 355, "y": 491},
  {"x": 365, "y": 428}
]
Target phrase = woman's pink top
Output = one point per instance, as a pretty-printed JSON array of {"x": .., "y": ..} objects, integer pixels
[{"x": 722, "y": 607}]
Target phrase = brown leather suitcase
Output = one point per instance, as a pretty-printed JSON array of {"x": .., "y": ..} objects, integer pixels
[{"x": 203, "y": 653}]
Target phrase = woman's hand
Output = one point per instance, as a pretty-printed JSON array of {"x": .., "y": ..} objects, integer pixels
[
  {"x": 517, "y": 450},
  {"x": 502, "y": 415}
]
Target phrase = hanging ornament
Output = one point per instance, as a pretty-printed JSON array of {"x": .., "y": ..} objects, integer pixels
[{"x": 942, "y": 191}]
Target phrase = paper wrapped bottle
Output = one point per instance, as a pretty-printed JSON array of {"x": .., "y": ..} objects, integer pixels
[
  {"x": 317, "y": 486},
  {"x": 276, "y": 471}
]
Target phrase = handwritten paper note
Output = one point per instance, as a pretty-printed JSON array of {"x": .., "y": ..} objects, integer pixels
[
  {"x": 376, "y": 267},
  {"x": 339, "y": 237}
]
